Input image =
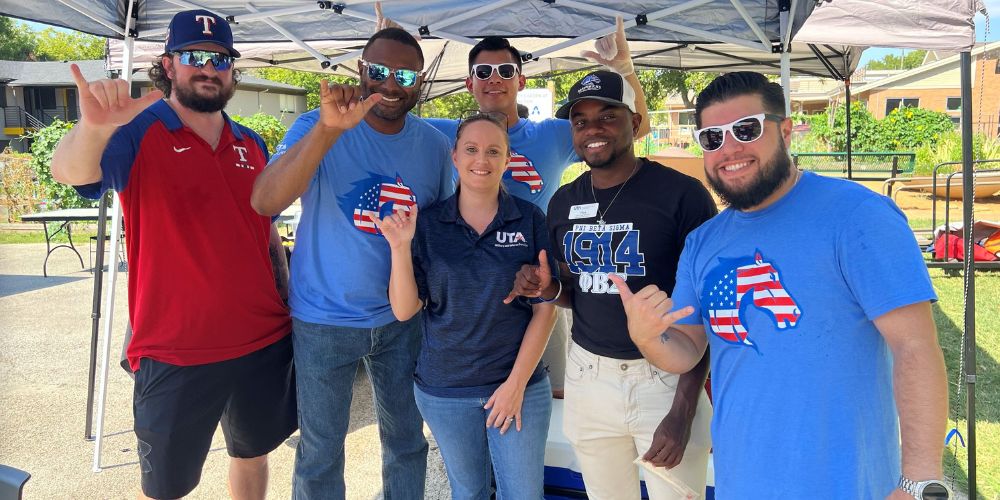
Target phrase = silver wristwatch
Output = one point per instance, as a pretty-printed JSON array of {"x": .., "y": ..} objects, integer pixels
[{"x": 932, "y": 489}]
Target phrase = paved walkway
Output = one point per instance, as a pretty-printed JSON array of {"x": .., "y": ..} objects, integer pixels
[{"x": 44, "y": 351}]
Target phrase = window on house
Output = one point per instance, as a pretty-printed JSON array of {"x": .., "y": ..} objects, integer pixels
[
  {"x": 287, "y": 103},
  {"x": 896, "y": 102},
  {"x": 3, "y": 95},
  {"x": 953, "y": 104},
  {"x": 47, "y": 97}
]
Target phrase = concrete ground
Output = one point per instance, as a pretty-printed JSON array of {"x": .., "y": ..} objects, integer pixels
[{"x": 44, "y": 352}]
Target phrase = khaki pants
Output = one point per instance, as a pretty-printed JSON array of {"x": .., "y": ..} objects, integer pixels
[{"x": 612, "y": 408}]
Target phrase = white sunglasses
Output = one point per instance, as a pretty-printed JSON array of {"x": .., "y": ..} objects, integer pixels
[{"x": 745, "y": 130}]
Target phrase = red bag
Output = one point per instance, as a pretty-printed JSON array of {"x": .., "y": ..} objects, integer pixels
[{"x": 954, "y": 246}]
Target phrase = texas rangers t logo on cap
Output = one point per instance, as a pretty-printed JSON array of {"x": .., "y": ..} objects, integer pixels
[{"x": 207, "y": 22}]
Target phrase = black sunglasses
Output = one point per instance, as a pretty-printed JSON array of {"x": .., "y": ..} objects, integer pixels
[{"x": 498, "y": 117}]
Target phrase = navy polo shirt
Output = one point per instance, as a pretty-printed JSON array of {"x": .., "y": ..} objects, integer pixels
[{"x": 471, "y": 338}]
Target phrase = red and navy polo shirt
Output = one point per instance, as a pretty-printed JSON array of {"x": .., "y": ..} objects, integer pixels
[{"x": 200, "y": 283}]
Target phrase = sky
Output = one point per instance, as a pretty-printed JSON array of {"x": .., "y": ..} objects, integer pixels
[{"x": 992, "y": 6}]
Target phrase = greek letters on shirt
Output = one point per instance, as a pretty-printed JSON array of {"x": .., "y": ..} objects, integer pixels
[{"x": 593, "y": 251}]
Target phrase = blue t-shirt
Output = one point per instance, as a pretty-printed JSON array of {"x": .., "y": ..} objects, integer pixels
[
  {"x": 471, "y": 338},
  {"x": 540, "y": 152},
  {"x": 801, "y": 378},
  {"x": 341, "y": 272}
]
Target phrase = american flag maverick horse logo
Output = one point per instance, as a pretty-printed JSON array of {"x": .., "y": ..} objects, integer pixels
[
  {"x": 522, "y": 170},
  {"x": 377, "y": 195},
  {"x": 727, "y": 288}
]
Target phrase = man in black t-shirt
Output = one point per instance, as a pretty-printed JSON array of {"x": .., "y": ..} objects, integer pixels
[{"x": 628, "y": 216}]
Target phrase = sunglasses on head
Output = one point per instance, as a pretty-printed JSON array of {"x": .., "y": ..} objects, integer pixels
[
  {"x": 746, "y": 129},
  {"x": 497, "y": 117},
  {"x": 381, "y": 72},
  {"x": 484, "y": 71},
  {"x": 198, "y": 58}
]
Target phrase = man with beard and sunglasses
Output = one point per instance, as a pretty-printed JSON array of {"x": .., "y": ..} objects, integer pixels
[
  {"x": 823, "y": 347},
  {"x": 359, "y": 156},
  {"x": 630, "y": 216},
  {"x": 211, "y": 330}
]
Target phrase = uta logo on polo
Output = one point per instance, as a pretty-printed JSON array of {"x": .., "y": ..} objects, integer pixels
[{"x": 181, "y": 150}]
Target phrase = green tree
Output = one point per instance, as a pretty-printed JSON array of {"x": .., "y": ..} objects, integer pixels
[
  {"x": 57, "y": 45},
  {"x": 305, "y": 79},
  {"x": 910, "y": 60},
  {"x": 17, "y": 41},
  {"x": 268, "y": 127},
  {"x": 662, "y": 83}
]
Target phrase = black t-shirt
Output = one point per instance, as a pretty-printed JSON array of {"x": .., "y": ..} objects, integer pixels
[{"x": 641, "y": 240}]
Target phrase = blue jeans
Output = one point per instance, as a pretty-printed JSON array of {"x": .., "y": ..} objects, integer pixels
[
  {"x": 326, "y": 360},
  {"x": 468, "y": 447}
]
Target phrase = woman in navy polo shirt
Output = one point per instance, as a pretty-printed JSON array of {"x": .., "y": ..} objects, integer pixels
[{"x": 478, "y": 383}]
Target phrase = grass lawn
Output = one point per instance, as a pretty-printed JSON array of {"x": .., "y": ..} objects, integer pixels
[
  {"x": 949, "y": 316},
  {"x": 33, "y": 233}
]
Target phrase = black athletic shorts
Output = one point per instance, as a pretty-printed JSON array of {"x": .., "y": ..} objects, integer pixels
[{"x": 178, "y": 408}]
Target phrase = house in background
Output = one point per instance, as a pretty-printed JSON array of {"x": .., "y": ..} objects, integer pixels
[
  {"x": 34, "y": 94},
  {"x": 934, "y": 85}
]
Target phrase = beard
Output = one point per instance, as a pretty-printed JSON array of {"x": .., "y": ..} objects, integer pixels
[
  {"x": 609, "y": 161},
  {"x": 190, "y": 98},
  {"x": 767, "y": 182},
  {"x": 409, "y": 100}
]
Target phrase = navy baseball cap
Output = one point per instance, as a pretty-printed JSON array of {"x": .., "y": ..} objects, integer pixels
[
  {"x": 192, "y": 27},
  {"x": 606, "y": 86}
]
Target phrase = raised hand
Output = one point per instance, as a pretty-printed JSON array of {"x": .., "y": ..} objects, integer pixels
[
  {"x": 531, "y": 280},
  {"x": 341, "y": 107},
  {"x": 108, "y": 103},
  {"x": 398, "y": 228},
  {"x": 613, "y": 51},
  {"x": 648, "y": 310}
]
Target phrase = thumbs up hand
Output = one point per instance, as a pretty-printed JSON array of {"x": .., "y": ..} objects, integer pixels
[{"x": 531, "y": 280}]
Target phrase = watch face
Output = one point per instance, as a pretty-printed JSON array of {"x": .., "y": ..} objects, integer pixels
[{"x": 935, "y": 491}]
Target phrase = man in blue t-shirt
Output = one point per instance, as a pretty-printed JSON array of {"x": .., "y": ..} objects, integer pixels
[
  {"x": 824, "y": 353},
  {"x": 359, "y": 156}
]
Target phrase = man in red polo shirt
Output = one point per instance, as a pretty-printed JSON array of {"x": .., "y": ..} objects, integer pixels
[{"x": 210, "y": 337}]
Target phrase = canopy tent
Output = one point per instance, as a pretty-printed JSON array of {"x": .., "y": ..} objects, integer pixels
[{"x": 679, "y": 31}]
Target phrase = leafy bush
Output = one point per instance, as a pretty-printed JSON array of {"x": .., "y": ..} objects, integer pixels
[
  {"x": 948, "y": 148},
  {"x": 268, "y": 127},
  {"x": 43, "y": 144},
  {"x": 910, "y": 128}
]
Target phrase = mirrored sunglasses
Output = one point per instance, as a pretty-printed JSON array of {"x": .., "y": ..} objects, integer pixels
[
  {"x": 484, "y": 71},
  {"x": 380, "y": 72},
  {"x": 745, "y": 130},
  {"x": 198, "y": 58}
]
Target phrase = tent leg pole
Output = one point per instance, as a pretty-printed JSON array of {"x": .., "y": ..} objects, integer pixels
[
  {"x": 969, "y": 268},
  {"x": 786, "y": 80},
  {"x": 847, "y": 116},
  {"x": 95, "y": 313}
]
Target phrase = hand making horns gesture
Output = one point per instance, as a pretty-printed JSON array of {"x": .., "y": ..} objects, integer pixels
[
  {"x": 109, "y": 103},
  {"x": 341, "y": 106}
]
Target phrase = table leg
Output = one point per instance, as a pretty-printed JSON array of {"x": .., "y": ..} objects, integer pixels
[{"x": 64, "y": 226}]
